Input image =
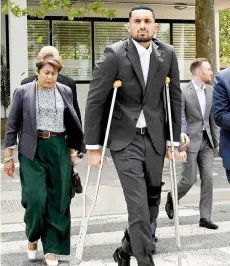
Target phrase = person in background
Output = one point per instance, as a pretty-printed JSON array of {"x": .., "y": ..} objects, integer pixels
[
  {"x": 221, "y": 111},
  {"x": 198, "y": 123},
  {"x": 50, "y": 133}
]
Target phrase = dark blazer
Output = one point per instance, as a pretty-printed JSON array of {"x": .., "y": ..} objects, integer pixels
[
  {"x": 193, "y": 121},
  {"x": 121, "y": 61},
  {"x": 22, "y": 120},
  {"x": 66, "y": 81},
  {"x": 221, "y": 110}
]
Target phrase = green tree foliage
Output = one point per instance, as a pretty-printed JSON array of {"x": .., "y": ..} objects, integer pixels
[
  {"x": 225, "y": 37},
  {"x": 46, "y": 6}
]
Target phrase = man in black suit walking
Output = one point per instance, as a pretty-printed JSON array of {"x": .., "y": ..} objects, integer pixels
[{"x": 138, "y": 132}]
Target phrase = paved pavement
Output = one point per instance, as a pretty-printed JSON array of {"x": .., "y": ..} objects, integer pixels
[{"x": 199, "y": 246}]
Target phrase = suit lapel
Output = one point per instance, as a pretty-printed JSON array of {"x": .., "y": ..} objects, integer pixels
[
  {"x": 195, "y": 98},
  {"x": 154, "y": 64},
  {"x": 64, "y": 94},
  {"x": 32, "y": 99},
  {"x": 66, "y": 98},
  {"x": 135, "y": 61}
]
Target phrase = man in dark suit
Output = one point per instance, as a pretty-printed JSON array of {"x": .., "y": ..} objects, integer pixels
[
  {"x": 221, "y": 107},
  {"x": 138, "y": 132}
]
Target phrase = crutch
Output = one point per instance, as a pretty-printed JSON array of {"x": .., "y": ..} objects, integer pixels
[
  {"x": 173, "y": 178},
  {"x": 85, "y": 219}
]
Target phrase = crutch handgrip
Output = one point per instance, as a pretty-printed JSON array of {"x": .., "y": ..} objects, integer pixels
[
  {"x": 117, "y": 83},
  {"x": 167, "y": 80}
]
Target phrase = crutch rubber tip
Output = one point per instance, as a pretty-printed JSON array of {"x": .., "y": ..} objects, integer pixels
[
  {"x": 117, "y": 83},
  {"x": 167, "y": 80}
]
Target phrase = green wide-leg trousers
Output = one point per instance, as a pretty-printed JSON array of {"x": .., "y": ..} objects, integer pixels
[{"x": 46, "y": 186}]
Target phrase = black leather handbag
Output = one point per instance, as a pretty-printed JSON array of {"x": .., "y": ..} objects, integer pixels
[{"x": 76, "y": 184}]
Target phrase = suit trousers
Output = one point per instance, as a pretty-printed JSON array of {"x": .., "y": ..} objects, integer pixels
[
  {"x": 46, "y": 187},
  {"x": 204, "y": 160},
  {"x": 139, "y": 168}
]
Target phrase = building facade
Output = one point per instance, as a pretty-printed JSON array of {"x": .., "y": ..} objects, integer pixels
[{"x": 81, "y": 42}]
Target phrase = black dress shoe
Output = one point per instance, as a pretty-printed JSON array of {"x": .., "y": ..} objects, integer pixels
[
  {"x": 208, "y": 224},
  {"x": 169, "y": 207},
  {"x": 155, "y": 239},
  {"x": 121, "y": 258}
]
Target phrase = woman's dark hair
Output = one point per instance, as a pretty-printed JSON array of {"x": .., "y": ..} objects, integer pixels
[{"x": 45, "y": 58}]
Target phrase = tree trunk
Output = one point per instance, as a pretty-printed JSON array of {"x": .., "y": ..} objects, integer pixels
[{"x": 205, "y": 32}]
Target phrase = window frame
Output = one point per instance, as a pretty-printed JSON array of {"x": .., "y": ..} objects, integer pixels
[
  {"x": 89, "y": 37},
  {"x": 92, "y": 20}
]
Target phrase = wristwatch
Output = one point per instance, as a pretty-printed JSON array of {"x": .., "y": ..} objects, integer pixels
[{"x": 7, "y": 159}]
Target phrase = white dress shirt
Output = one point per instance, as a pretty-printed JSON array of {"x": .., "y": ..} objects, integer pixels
[
  {"x": 201, "y": 97},
  {"x": 144, "y": 55}
]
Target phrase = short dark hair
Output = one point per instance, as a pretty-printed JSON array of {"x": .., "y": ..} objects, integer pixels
[
  {"x": 197, "y": 63},
  {"x": 51, "y": 59},
  {"x": 139, "y": 8}
]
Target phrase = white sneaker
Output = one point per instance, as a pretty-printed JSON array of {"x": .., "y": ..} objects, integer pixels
[
  {"x": 32, "y": 254},
  {"x": 51, "y": 262}
]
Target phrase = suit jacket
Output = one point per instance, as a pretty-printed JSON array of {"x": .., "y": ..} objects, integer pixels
[
  {"x": 22, "y": 120},
  {"x": 121, "y": 61},
  {"x": 66, "y": 81},
  {"x": 71, "y": 84},
  {"x": 221, "y": 110},
  {"x": 193, "y": 121}
]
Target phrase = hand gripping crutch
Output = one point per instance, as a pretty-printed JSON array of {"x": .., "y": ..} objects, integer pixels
[
  {"x": 173, "y": 178},
  {"x": 85, "y": 219}
]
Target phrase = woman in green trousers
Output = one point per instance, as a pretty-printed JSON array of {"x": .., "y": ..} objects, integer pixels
[{"x": 49, "y": 131}]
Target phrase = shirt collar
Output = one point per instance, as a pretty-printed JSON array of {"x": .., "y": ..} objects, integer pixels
[
  {"x": 197, "y": 87},
  {"x": 141, "y": 49}
]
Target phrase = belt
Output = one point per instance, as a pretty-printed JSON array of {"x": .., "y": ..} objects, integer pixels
[
  {"x": 142, "y": 130},
  {"x": 47, "y": 134}
]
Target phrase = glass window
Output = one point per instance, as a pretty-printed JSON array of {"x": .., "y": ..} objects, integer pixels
[
  {"x": 73, "y": 40},
  {"x": 184, "y": 41},
  {"x": 163, "y": 32},
  {"x": 36, "y": 29},
  {"x": 106, "y": 33}
]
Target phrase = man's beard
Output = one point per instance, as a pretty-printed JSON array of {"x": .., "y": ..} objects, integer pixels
[
  {"x": 142, "y": 39},
  {"x": 207, "y": 81}
]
